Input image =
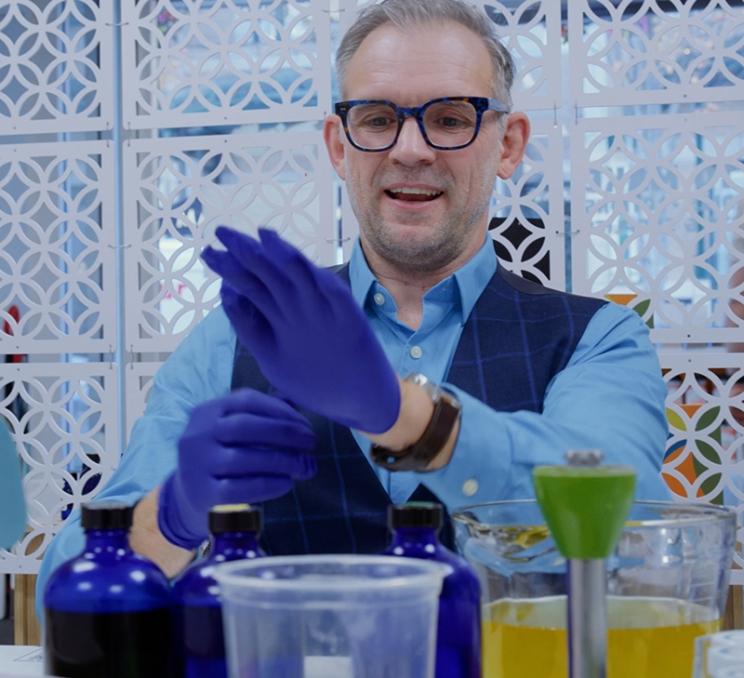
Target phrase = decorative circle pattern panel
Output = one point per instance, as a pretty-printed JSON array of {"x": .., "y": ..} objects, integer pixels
[
  {"x": 528, "y": 225},
  {"x": 659, "y": 200},
  {"x": 56, "y": 248},
  {"x": 656, "y": 51},
  {"x": 63, "y": 420},
  {"x": 52, "y": 55},
  {"x": 531, "y": 31},
  {"x": 233, "y": 61},
  {"x": 704, "y": 456}
]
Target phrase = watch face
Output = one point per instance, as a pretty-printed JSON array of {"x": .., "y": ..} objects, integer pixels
[
  {"x": 418, "y": 379},
  {"x": 421, "y": 380}
]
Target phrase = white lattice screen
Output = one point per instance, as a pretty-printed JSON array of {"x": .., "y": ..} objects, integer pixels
[{"x": 632, "y": 187}]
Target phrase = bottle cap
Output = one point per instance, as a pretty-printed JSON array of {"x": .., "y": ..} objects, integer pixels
[
  {"x": 235, "y": 518},
  {"x": 416, "y": 514},
  {"x": 106, "y": 515}
]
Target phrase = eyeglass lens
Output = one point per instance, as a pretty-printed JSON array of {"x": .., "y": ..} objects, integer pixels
[{"x": 447, "y": 124}]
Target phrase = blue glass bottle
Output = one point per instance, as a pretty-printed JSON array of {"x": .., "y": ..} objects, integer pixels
[
  {"x": 235, "y": 529},
  {"x": 415, "y": 527},
  {"x": 107, "y": 612}
]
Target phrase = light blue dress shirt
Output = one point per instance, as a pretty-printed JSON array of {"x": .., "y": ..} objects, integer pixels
[
  {"x": 428, "y": 349},
  {"x": 610, "y": 395},
  {"x": 594, "y": 392}
]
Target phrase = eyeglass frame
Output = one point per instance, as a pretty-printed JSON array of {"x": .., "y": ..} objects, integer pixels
[{"x": 481, "y": 105}]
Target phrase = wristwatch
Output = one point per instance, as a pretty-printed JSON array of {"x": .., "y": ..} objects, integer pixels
[{"x": 416, "y": 457}]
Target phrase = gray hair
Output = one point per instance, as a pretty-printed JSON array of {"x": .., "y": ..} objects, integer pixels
[{"x": 406, "y": 13}]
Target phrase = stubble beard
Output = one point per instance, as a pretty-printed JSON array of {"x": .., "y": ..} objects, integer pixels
[{"x": 444, "y": 243}]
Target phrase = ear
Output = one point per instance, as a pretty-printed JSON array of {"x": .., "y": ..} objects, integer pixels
[
  {"x": 514, "y": 143},
  {"x": 333, "y": 137}
]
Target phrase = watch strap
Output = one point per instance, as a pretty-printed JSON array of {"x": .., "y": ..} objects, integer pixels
[{"x": 417, "y": 456}]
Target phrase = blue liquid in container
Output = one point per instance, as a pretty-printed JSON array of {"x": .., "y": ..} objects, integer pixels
[
  {"x": 198, "y": 612},
  {"x": 107, "y": 612},
  {"x": 415, "y": 527}
]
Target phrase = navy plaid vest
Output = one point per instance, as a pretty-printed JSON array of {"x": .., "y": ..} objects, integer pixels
[{"x": 517, "y": 337}]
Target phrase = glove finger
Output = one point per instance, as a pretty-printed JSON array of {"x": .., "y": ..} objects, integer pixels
[
  {"x": 304, "y": 274},
  {"x": 254, "y": 330},
  {"x": 204, "y": 415},
  {"x": 249, "y": 429},
  {"x": 249, "y": 400},
  {"x": 245, "y": 462},
  {"x": 249, "y": 490},
  {"x": 252, "y": 256},
  {"x": 240, "y": 279},
  {"x": 332, "y": 299},
  {"x": 288, "y": 400}
]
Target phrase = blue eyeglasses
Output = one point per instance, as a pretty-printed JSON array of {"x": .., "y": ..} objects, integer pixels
[{"x": 447, "y": 123}]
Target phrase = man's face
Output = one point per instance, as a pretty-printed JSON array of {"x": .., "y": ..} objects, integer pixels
[{"x": 420, "y": 208}]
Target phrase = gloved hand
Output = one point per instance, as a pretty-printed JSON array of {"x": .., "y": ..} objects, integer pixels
[
  {"x": 302, "y": 325},
  {"x": 246, "y": 447}
]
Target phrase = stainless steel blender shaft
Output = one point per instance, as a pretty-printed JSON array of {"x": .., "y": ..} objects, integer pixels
[{"x": 587, "y": 618}]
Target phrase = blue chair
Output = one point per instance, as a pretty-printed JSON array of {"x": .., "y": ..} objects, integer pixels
[{"x": 12, "y": 503}]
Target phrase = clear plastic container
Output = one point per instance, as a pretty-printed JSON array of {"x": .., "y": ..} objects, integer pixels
[
  {"x": 717, "y": 653},
  {"x": 347, "y": 616},
  {"x": 729, "y": 672}
]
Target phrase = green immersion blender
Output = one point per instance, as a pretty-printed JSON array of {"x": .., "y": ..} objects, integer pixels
[{"x": 585, "y": 505}]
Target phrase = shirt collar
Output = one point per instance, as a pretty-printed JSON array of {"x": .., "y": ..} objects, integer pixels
[
  {"x": 471, "y": 278},
  {"x": 360, "y": 275}
]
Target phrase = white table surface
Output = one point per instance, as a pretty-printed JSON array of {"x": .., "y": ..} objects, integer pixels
[
  {"x": 21, "y": 660},
  {"x": 17, "y": 661}
]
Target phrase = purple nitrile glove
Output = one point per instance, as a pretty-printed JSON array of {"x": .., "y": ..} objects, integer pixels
[
  {"x": 305, "y": 330},
  {"x": 245, "y": 447}
]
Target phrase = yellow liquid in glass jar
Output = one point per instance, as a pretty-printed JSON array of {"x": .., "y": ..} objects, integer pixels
[{"x": 648, "y": 637}]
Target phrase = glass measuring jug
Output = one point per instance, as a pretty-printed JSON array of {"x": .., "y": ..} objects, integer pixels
[{"x": 667, "y": 584}]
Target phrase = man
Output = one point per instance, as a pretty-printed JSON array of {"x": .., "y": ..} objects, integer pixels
[{"x": 317, "y": 361}]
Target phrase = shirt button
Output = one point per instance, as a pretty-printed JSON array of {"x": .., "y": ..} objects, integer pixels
[
  {"x": 470, "y": 487},
  {"x": 416, "y": 352},
  {"x": 379, "y": 298}
]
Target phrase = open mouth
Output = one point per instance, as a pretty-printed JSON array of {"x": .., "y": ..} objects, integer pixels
[{"x": 413, "y": 194}]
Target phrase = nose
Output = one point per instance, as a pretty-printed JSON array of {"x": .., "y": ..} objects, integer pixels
[{"x": 411, "y": 147}]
